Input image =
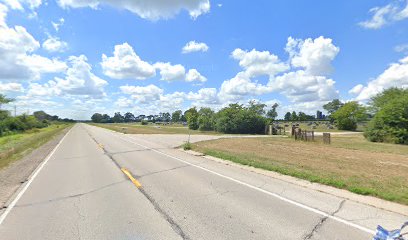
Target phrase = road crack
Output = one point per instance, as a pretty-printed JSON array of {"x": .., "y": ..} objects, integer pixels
[{"x": 323, "y": 220}]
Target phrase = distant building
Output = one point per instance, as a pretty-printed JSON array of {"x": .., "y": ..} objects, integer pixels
[{"x": 319, "y": 115}]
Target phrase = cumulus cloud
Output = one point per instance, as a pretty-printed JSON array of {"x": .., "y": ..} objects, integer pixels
[
  {"x": 387, "y": 14},
  {"x": 396, "y": 75},
  {"x": 54, "y": 44},
  {"x": 171, "y": 72},
  {"x": 194, "y": 46},
  {"x": 305, "y": 78},
  {"x": 144, "y": 94},
  {"x": 194, "y": 76},
  {"x": 240, "y": 87},
  {"x": 11, "y": 87},
  {"x": 256, "y": 63},
  {"x": 125, "y": 63},
  {"x": 314, "y": 55},
  {"x": 148, "y": 9},
  {"x": 299, "y": 86},
  {"x": 204, "y": 97},
  {"x": 79, "y": 81},
  {"x": 17, "y": 60}
]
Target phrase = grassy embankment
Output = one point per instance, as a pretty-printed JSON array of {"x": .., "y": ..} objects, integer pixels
[
  {"x": 136, "y": 128},
  {"x": 350, "y": 162},
  {"x": 14, "y": 147}
]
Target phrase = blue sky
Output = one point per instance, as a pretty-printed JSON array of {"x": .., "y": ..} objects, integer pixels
[{"x": 300, "y": 54}]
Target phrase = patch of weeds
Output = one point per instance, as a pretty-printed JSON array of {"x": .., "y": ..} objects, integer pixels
[{"x": 187, "y": 146}]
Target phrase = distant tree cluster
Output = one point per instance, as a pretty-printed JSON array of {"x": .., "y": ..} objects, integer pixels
[
  {"x": 10, "y": 124},
  {"x": 301, "y": 116}
]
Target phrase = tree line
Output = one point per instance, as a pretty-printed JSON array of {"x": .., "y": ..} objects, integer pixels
[
  {"x": 10, "y": 125},
  {"x": 387, "y": 114}
]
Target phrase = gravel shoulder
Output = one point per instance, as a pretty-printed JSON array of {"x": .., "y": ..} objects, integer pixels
[{"x": 12, "y": 176}]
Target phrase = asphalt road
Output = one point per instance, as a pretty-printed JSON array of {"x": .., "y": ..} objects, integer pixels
[{"x": 80, "y": 192}]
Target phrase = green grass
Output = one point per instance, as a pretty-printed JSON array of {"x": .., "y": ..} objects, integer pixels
[
  {"x": 350, "y": 163},
  {"x": 14, "y": 147},
  {"x": 137, "y": 128}
]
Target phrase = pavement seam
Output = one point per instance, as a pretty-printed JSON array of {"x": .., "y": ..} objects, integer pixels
[
  {"x": 173, "y": 224},
  {"x": 294, "y": 202},
  {"x": 323, "y": 220}
]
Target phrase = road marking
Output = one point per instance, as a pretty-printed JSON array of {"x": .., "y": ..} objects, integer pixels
[
  {"x": 298, "y": 204},
  {"x": 20, "y": 194},
  {"x": 134, "y": 181}
]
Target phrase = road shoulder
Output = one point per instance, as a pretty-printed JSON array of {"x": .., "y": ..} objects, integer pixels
[{"x": 17, "y": 173}]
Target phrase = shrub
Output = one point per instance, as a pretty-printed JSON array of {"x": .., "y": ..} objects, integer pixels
[
  {"x": 347, "y": 116},
  {"x": 144, "y": 122},
  {"x": 390, "y": 123}
]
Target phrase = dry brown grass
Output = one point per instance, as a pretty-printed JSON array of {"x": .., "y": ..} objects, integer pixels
[{"x": 350, "y": 162}]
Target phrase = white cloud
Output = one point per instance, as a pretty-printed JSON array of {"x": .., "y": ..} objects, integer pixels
[
  {"x": 54, "y": 44},
  {"x": 194, "y": 46},
  {"x": 315, "y": 56},
  {"x": 396, "y": 75},
  {"x": 79, "y": 81},
  {"x": 17, "y": 61},
  {"x": 257, "y": 63},
  {"x": 11, "y": 87},
  {"x": 18, "y": 4},
  {"x": 148, "y": 9},
  {"x": 204, "y": 97},
  {"x": 356, "y": 89},
  {"x": 299, "y": 86},
  {"x": 387, "y": 14},
  {"x": 145, "y": 94},
  {"x": 241, "y": 87},
  {"x": 125, "y": 63},
  {"x": 170, "y": 72},
  {"x": 402, "y": 48},
  {"x": 57, "y": 25},
  {"x": 194, "y": 75}
]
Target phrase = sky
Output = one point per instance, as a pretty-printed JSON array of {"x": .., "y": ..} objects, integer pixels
[{"x": 76, "y": 57}]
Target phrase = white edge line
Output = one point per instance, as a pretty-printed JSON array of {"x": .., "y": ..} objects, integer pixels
[
  {"x": 314, "y": 210},
  {"x": 22, "y": 191}
]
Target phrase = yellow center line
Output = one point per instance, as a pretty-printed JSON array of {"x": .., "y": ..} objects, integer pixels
[{"x": 134, "y": 181}]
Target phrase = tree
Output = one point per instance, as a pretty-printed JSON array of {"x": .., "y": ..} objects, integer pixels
[
  {"x": 166, "y": 117},
  {"x": 304, "y": 117},
  {"x": 5, "y": 100},
  {"x": 118, "y": 118},
  {"x": 106, "y": 118},
  {"x": 333, "y": 106},
  {"x": 272, "y": 113},
  {"x": 192, "y": 118},
  {"x": 294, "y": 116},
  {"x": 206, "y": 119},
  {"x": 347, "y": 117},
  {"x": 390, "y": 122},
  {"x": 288, "y": 116},
  {"x": 97, "y": 118},
  {"x": 381, "y": 99},
  {"x": 239, "y": 119},
  {"x": 41, "y": 115},
  {"x": 176, "y": 116},
  {"x": 129, "y": 117}
]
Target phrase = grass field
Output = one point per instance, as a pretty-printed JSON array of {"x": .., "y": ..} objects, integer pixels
[
  {"x": 136, "y": 128},
  {"x": 16, "y": 146},
  {"x": 350, "y": 162}
]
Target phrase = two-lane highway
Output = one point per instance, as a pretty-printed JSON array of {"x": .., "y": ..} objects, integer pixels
[{"x": 82, "y": 192}]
